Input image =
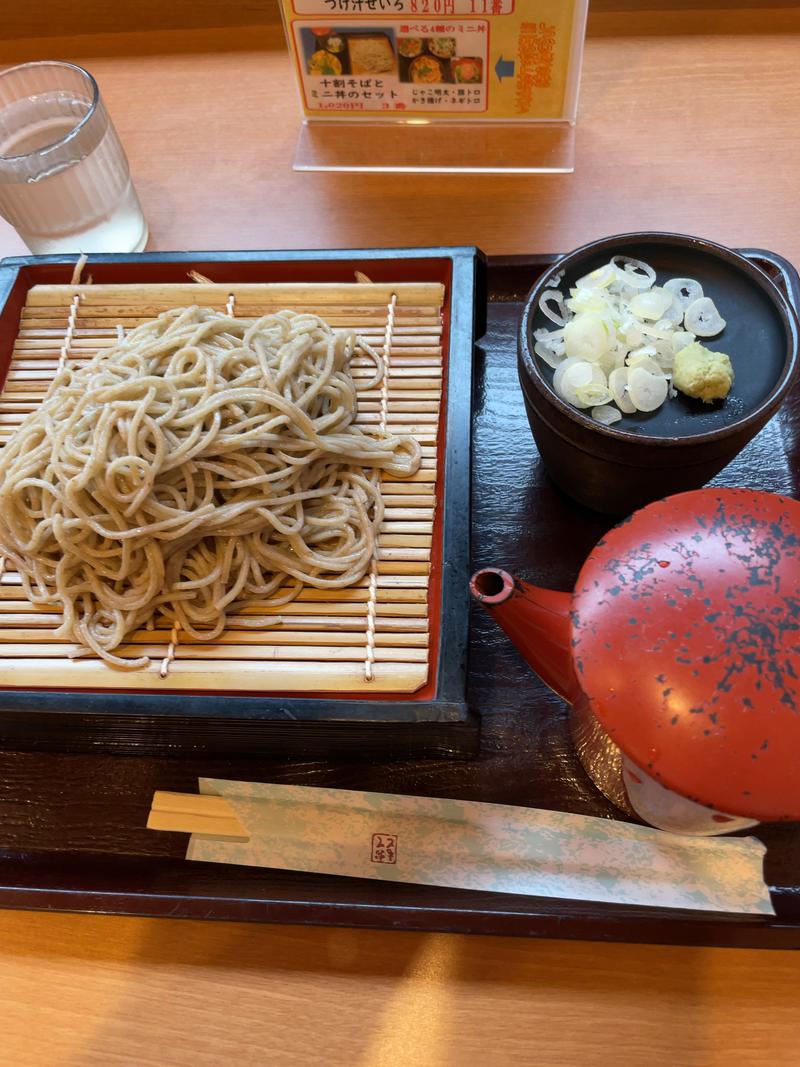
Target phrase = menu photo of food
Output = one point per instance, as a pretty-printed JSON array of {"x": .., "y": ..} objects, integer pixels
[
  {"x": 434, "y": 60},
  {"x": 330, "y": 52}
]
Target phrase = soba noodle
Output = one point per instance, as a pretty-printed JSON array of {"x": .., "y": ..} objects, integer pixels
[{"x": 203, "y": 465}]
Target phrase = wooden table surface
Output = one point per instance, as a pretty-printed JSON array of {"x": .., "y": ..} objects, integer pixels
[{"x": 687, "y": 122}]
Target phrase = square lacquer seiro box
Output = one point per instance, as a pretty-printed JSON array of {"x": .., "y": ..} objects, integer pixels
[{"x": 375, "y": 668}]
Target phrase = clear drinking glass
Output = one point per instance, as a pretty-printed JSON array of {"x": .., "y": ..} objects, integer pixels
[{"x": 65, "y": 185}]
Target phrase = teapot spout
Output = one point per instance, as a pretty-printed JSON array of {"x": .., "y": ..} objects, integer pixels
[{"x": 537, "y": 621}]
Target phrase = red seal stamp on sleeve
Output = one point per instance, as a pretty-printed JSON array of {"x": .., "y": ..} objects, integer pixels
[{"x": 384, "y": 848}]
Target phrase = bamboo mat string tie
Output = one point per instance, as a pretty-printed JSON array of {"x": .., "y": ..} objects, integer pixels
[
  {"x": 369, "y": 658},
  {"x": 69, "y": 333},
  {"x": 80, "y": 263},
  {"x": 171, "y": 650}
]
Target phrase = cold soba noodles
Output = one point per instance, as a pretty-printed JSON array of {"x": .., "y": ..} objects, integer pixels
[{"x": 203, "y": 465}]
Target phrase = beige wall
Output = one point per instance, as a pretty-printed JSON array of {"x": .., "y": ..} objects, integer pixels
[{"x": 54, "y": 18}]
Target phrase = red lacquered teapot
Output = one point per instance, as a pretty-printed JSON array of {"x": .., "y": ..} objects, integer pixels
[{"x": 679, "y": 652}]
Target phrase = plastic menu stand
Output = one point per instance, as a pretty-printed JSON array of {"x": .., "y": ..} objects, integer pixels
[{"x": 426, "y": 86}]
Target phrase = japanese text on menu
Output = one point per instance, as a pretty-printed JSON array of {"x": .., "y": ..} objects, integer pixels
[{"x": 485, "y": 58}]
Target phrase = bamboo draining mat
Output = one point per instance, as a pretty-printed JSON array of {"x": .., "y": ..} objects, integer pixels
[{"x": 373, "y": 637}]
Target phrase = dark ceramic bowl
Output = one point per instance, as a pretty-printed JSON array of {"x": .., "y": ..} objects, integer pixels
[{"x": 683, "y": 444}]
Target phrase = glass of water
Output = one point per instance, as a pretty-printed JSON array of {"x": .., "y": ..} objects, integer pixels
[{"x": 65, "y": 185}]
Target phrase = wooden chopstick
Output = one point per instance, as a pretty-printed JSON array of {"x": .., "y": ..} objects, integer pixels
[{"x": 195, "y": 813}]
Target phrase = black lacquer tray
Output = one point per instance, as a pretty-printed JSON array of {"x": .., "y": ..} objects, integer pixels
[{"x": 73, "y": 826}]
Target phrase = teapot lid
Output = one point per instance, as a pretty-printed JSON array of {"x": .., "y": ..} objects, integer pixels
[{"x": 686, "y": 634}]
